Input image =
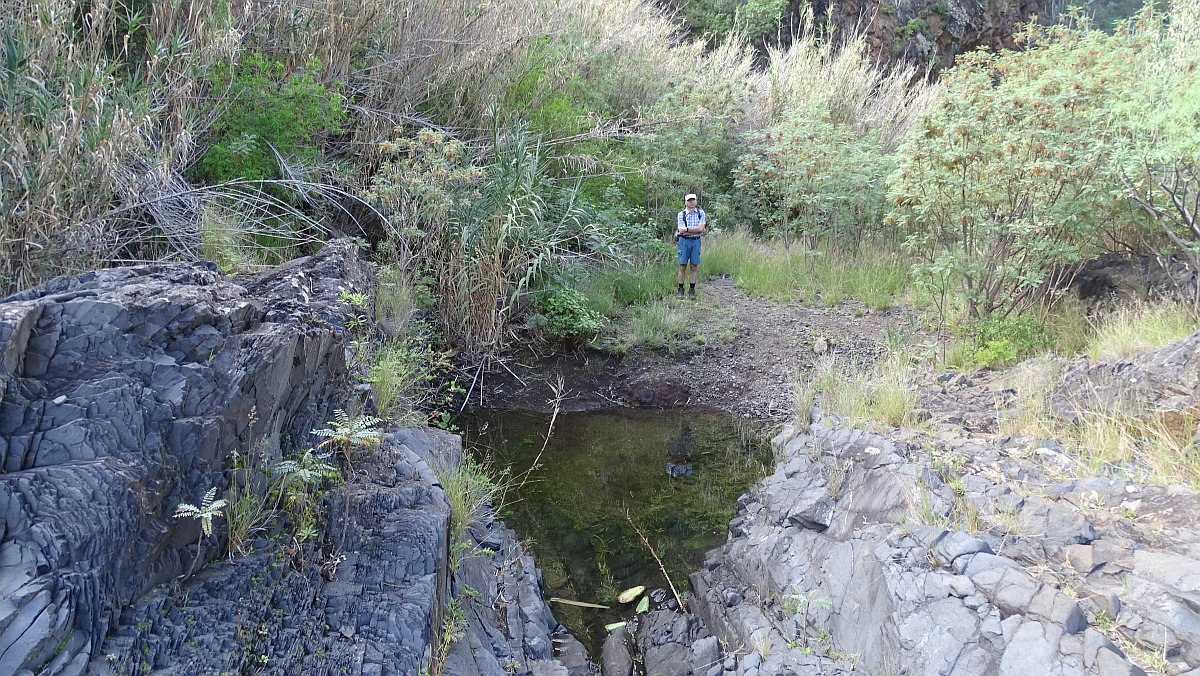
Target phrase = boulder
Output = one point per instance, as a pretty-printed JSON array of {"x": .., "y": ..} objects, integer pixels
[
  {"x": 124, "y": 392},
  {"x": 127, "y": 391}
]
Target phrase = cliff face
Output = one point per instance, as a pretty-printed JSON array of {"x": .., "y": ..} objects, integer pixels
[{"x": 933, "y": 32}]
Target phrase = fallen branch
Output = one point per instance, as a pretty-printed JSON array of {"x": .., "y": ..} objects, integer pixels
[{"x": 661, "y": 567}]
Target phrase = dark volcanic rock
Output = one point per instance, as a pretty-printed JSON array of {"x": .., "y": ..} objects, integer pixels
[
  {"x": 376, "y": 607},
  {"x": 932, "y": 31},
  {"x": 123, "y": 393},
  {"x": 1164, "y": 383},
  {"x": 1115, "y": 277},
  {"x": 654, "y": 392}
]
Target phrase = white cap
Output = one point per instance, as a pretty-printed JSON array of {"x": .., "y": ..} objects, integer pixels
[{"x": 690, "y": 196}]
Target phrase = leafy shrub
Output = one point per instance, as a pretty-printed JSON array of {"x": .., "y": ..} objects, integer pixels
[
  {"x": 1006, "y": 183},
  {"x": 422, "y": 181},
  {"x": 551, "y": 95},
  {"x": 810, "y": 177},
  {"x": 567, "y": 315},
  {"x": 694, "y": 153},
  {"x": 1000, "y": 340},
  {"x": 912, "y": 28},
  {"x": 268, "y": 113}
]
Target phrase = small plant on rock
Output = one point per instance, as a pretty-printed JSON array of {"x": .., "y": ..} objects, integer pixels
[
  {"x": 298, "y": 489},
  {"x": 358, "y": 304},
  {"x": 209, "y": 508},
  {"x": 346, "y": 432},
  {"x": 247, "y": 513}
]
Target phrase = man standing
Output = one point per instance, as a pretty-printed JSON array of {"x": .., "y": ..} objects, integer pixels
[{"x": 689, "y": 225}]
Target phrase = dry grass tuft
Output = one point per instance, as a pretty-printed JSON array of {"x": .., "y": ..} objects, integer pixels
[
  {"x": 1129, "y": 330},
  {"x": 882, "y": 393}
]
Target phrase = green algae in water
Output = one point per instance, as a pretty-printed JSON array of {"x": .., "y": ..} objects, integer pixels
[{"x": 677, "y": 474}]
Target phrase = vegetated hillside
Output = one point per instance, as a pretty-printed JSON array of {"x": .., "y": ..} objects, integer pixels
[
  {"x": 503, "y": 159},
  {"x": 930, "y": 32}
]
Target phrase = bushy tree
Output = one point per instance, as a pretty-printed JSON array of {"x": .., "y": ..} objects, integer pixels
[
  {"x": 1007, "y": 180},
  {"x": 1157, "y": 121},
  {"x": 810, "y": 177}
]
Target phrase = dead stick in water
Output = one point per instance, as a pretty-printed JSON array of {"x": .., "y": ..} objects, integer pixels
[
  {"x": 658, "y": 560},
  {"x": 559, "y": 393}
]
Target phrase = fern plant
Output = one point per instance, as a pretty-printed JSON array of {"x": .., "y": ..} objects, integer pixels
[
  {"x": 346, "y": 432},
  {"x": 209, "y": 508},
  {"x": 307, "y": 469}
]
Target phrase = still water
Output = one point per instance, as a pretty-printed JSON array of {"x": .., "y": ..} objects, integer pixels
[{"x": 674, "y": 474}]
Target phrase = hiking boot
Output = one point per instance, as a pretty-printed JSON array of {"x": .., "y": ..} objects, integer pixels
[
  {"x": 691, "y": 294},
  {"x": 679, "y": 293}
]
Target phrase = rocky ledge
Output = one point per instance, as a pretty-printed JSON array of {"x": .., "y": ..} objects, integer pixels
[
  {"x": 125, "y": 392},
  {"x": 946, "y": 551}
]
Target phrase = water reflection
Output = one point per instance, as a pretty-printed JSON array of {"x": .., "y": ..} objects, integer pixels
[{"x": 600, "y": 474}]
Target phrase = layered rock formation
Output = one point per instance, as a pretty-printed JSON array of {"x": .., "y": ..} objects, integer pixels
[
  {"x": 374, "y": 605},
  {"x": 957, "y": 551},
  {"x": 124, "y": 392}
]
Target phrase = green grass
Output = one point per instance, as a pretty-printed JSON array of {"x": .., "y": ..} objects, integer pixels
[
  {"x": 471, "y": 486},
  {"x": 610, "y": 290},
  {"x": 395, "y": 301},
  {"x": 404, "y": 376},
  {"x": 882, "y": 393},
  {"x": 769, "y": 270},
  {"x": 1130, "y": 330},
  {"x": 874, "y": 279},
  {"x": 659, "y": 324},
  {"x": 1158, "y": 448}
]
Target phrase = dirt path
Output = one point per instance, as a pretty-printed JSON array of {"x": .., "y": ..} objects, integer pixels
[{"x": 743, "y": 356}]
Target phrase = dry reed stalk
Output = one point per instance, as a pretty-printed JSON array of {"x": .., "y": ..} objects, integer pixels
[
  {"x": 839, "y": 76},
  {"x": 82, "y": 131}
]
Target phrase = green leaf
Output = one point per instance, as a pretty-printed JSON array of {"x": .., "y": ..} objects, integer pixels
[
  {"x": 630, "y": 594},
  {"x": 643, "y": 605},
  {"x": 612, "y": 626}
]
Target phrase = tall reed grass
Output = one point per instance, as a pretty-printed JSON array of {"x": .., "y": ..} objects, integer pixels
[
  {"x": 840, "y": 76},
  {"x": 83, "y": 132}
]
